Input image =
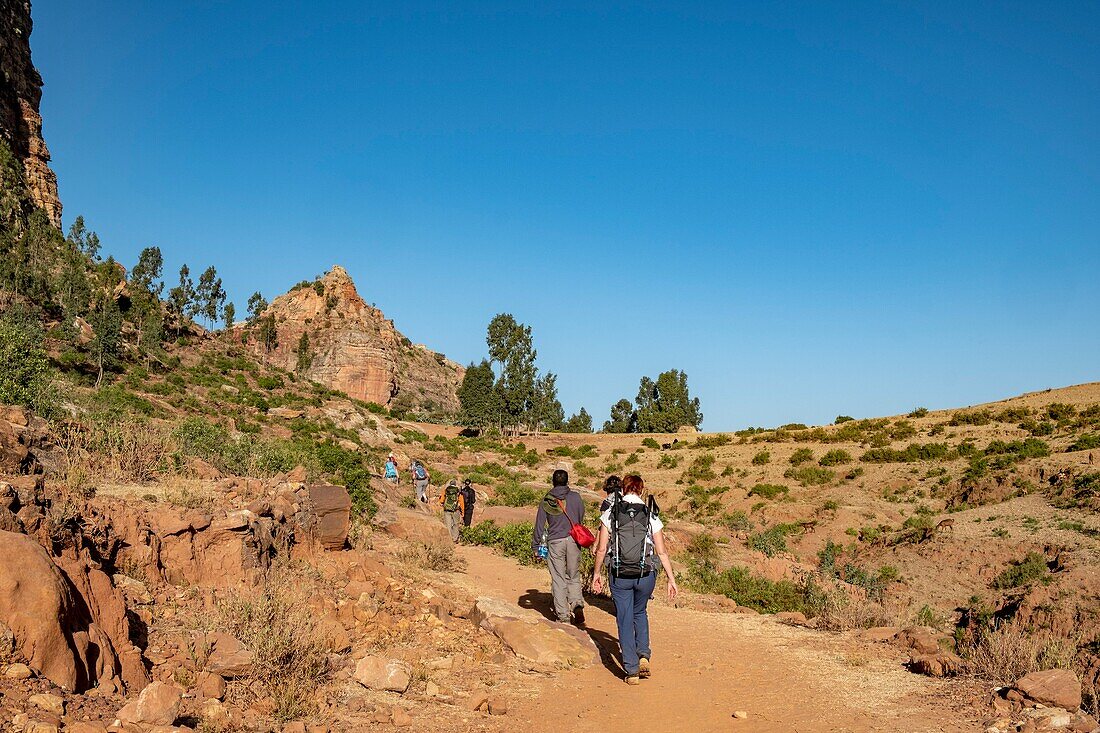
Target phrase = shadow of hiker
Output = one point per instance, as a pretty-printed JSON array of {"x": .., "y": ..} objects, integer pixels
[{"x": 606, "y": 644}]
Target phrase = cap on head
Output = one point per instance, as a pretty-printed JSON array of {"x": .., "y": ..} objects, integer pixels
[{"x": 560, "y": 477}]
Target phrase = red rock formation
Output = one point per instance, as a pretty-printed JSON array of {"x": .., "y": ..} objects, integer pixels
[
  {"x": 355, "y": 349},
  {"x": 20, "y": 93}
]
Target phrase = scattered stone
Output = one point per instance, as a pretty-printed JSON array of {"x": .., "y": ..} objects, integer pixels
[
  {"x": 376, "y": 673},
  {"x": 431, "y": 689},
  {"x": 1057, "y": 687},
  {"x": 86, "y": 726},
  {"x": 400, "y": 718},
  {"x": 497, "y": 706},
  {"x": 477, "y": 701},
  {"x": 791, "y": 618},
  {"x": 920, "y": 639},
  {"x": 40, "y": 726},
  {"x": 49, "y": 703},
  {"x": 941, "y": 664},
  {"x": 211, "y": 685},
  {"x": 332, "y": 507},
  {"x": 18, "y": 671},
  {"x": 295, "y": 726},
  {"x": 158, "y": 704},
  {"x": 229, "y": 657},
  {"x": 740, "y": 714},
  {"x": 879, "y": 633}
]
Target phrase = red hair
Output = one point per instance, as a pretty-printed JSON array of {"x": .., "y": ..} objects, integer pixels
[{"x": 633, "y": 484}]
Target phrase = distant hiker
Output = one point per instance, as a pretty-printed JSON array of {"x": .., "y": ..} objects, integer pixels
[
  {"x": 453, "y": 507},
  {"x": 553, "y": 541},
  {"x": 612, "y": 485},
  {"x": 469, "y": 496},
  {"x": 390, "y": 472},
  {"x": 631, "y": 530},
  {"x": 421, "y": 479}
]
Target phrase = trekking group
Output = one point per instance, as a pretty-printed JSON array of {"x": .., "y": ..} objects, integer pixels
[{"x": 629, "y": 547}]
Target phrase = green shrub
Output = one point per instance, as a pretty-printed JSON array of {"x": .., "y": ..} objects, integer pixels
[
  {"x": 736, "y": 521},
  {"x": 513, "y": 540},
  {"x": 768, "y": 491},
  {"x": 1059, "y": 411},
  {"x": 651, "y": 443},
  {"x": 667, "y": 461},
  {"x": 701, "y": 469},
  {"x": 919, "y": 412},
  {"x": 912, "y": 452},
  {"x": 772, "y": 540},
  {"x": 810, "y": 475},
  {"x": 751, "y": 591},
  {"x": 513, "y": 493},
  {"x": 761, "y": 458},
  {"x": 835, "y": 457},
  {"x": 1026, "y": 571},
  {"x": 26, "y": 377},
  {"x": 701, "y": 501},
  {"x": 902, "y": 429},
  {"x": 712, "y": 441},
  {"x": 270, "y": 382},
  {"x": 800, "y": 456},
  {"x": 1088, "y": 441},
  {"x": 841, "y": 419},
  {"x": 973, "y": 417}
]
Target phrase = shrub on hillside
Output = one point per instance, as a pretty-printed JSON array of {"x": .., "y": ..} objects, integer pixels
[
  {"x": 651, "y": 443},
  {"x": 841, "y": 419},
  {"x": 800, "y": 456},
  {"x": 810, "y": 475},
  {"x": 919, "y": 412},
  {"x": 26, "y": 377},
  {"x": 1088, "y": 441},
  {"x": 761, "y": 458},
  {"x": 701, "y": 469},
  {"x": 712, "y": 441},
  {"x": 1033, "y": 567},
  {"x": 835, "y": 457},
  {"x": 513, "y": 540},
  {"x": 768, "y": 491},
  {"x": 513, "y": 493},
  {"x": 912, "y": 452},
  {"x": 746, "y": 589},
  {"x": 772, "y": 540}
]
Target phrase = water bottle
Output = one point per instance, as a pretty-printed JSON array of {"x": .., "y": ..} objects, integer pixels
[{"x": 543, "y": 550}]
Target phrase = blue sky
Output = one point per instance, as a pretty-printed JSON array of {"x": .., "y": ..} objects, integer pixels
[{"x": 812, "y": 209}]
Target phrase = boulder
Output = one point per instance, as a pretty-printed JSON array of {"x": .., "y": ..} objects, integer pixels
[
  {"x": 332, "y": 507},
  {"x": 377, "y": 673},
  {"x": 53, "y": 628},
  {"x": 940, "y": 664},
  {"x": 1057, "y": 687},
  {"x": 50, "y": 703},
  {"x": 879, "y": 633},
  {"x": 791, "y": 618},
  {"x": 228, "y": 657},
  {"x": 412, "y": 525},
  {"x": 158, "y": 704},
  {"x": 533, "y": 637},
  {"x": 920, "y": 639}
]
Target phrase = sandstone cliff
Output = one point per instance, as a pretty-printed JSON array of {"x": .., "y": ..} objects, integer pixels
[
  {"x": 20, "y": 93},
  {"x": 355, "y": 349}
]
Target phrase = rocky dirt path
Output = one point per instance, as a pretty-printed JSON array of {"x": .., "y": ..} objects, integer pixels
[{"x": 708, "y": 665}]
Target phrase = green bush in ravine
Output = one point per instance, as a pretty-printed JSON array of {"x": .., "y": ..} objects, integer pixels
[
  {"x": 773, "y": 540},
  {"x": 810, "y": 475},
  {"x": 26, "y": 377},
  {"x": 1033, "y": 567}
]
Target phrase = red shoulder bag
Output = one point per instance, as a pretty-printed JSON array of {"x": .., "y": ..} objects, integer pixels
[{"x": 580, "y": 534}]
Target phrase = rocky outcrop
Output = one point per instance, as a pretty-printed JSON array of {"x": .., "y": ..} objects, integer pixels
[
  {"x": 20, "y": 122},
  {"x": 355, "y": 349},
  {"x": 545, "y": 643}
]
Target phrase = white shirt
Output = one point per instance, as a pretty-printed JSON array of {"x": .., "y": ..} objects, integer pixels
[{"x": 655, "y": 523}]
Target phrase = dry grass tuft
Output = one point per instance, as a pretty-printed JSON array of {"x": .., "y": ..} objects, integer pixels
[
  {"x": 1008, "y": 652},
  {"x": 125, "y": 449},
  {"x": 276, "y": 623},
  {"x": 433, "y": 556}
]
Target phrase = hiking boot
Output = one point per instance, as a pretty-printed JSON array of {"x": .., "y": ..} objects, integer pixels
[
  {"x": 578, "y": 617},
  {"x": 633, "y": 680},
  {"x": 643, "y": 668}
]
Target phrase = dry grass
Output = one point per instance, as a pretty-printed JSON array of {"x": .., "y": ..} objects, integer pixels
[
  {"x": 117, "y": 450},
  {"x": 840, "y": 609},
  {"x": 276, "y": 623},
  {"x": 433, "y": 556},
  {"x": 1007, "y": 653}
]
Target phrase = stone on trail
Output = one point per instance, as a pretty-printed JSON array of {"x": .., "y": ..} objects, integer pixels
[
  {"x": 740, "y": 714},
  {"x": 158, "y": 704},
  {"x": 376, "y": 673},
  {"x": 1058, "y": 687},
  {"x": 400, "y": 718},
  {"x": 50, "y": 703},
  {"x": 532, "y": 637},
  {"x": 229, "y": 657}
]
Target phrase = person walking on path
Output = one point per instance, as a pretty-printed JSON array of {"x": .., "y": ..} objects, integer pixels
[
  {"x": 632, "y": 531},
  {"x": 421, "y": 480},
  {"x": 612, "y": 485},
  {"x": 563, "y": 554},
  {"x": 453, "y": 507},
  {"x": 469, "y": 496},
  {"x": 390, "y": 472}
]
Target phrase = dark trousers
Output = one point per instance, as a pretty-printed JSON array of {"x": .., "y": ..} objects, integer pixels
[
  {"x": 631, "y": 595},
  {"x": 468, "y": 514}
]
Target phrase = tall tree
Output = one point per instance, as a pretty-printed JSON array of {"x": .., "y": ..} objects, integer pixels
[
  {"x": 86, "y": 241},
  {"x": 305, "y": 355},
  {"x": 106, "y": 346},
  {"x": 666, "y": 405},
  {"x": 257, "y": 304},
  {"x": 146, "y": 288},
  {"x": 209, "y": 296},
  {"x": 579, "y": 423},
  {"x": 181, "y": 298},
  {"x": 478, "y": 396},
  {"x": 623, "y": 418},
  {"x": 511, "y": 348},
  {"x": 229, "y": 315},
  {"x": 268, "y": 333},
  {"x": 545, "y": 411}
]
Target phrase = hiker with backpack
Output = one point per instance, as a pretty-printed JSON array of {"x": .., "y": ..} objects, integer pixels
[
  {"x": 631, "y": 532},
  {"x": 469, "y": 496},
  {"x": 390, "y": 471},
  {"x": 612, "y": 485},
  {"x": 421, "y": 479},
  {"x": 453, "y": 507},
  {"x": 555, "y": 540}
]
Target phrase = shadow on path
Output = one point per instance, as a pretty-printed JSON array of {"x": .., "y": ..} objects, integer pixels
[{"x": 607, "y": 644}]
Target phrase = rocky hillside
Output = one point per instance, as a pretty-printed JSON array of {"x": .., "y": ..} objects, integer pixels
[
  {"x": 20, "y": 122},
  {"x": 354, "y": 348}
]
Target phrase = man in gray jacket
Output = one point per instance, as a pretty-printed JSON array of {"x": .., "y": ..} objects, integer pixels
[{"x": 564, "y": 554}]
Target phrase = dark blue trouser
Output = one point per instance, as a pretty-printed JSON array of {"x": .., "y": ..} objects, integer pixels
[{"x": 631, "y": 596}]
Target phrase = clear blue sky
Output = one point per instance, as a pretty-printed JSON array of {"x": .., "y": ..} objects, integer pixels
[{"x": 812, "y": 209}]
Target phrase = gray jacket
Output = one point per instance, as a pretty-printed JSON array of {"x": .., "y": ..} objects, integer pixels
[{"x": 550, "y": 515}]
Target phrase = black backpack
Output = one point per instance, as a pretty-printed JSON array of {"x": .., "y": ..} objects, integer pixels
[{"x": 631, "y": 537}]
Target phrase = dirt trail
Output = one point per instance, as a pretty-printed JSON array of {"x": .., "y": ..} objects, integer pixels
[{"x": 707, "y": 665}]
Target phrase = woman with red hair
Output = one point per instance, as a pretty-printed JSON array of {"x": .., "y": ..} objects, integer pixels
[{"x": 630, "y": 534}]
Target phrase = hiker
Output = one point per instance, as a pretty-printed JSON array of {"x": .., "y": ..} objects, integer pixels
[
  {"x": 390, "y": 472},
  {"x": 612, "y": 485},
  {"x": 420, "y": 479},
  {"x": 631, "y": 530},
  {"x": 553, "y": 542},
  {"x": 453, "y": 507},
  {"x": 469, "y": 496}
]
